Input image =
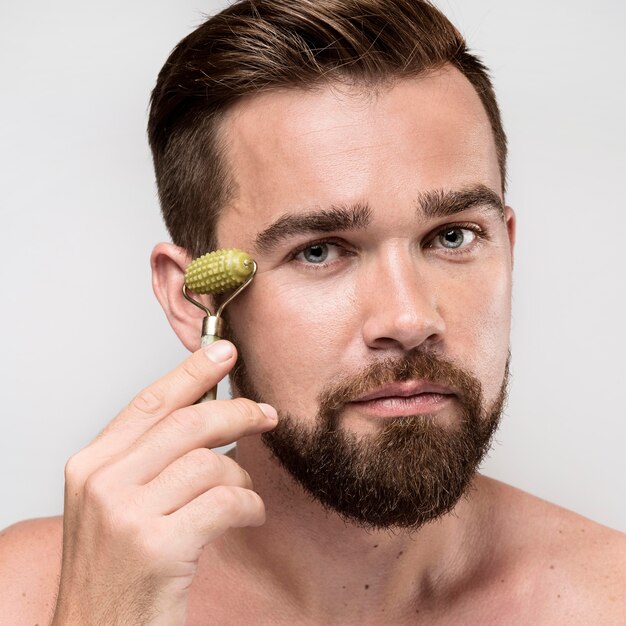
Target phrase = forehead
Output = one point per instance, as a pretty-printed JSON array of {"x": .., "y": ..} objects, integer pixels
[{"x": 294, "y": 149}]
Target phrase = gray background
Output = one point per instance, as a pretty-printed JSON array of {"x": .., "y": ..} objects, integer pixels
[{"x": 81, "y": 332}]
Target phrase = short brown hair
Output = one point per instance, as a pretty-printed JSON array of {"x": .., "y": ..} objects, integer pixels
[{"x": 258, "y": 45}]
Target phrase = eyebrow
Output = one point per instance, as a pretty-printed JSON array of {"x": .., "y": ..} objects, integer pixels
[
  {"x": 430, "y": 205},
  {"x": 437, "y": 204},
  {"x": 337, "y": 218}
]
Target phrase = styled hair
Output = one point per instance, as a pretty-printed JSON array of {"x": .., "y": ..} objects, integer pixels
[{"x": 258, "y": 45}]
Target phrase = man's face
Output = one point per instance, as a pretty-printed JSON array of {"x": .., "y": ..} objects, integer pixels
[{"x": 384, "y": 264}]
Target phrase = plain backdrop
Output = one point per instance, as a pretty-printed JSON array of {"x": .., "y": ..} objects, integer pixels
[{"x": 81, "y": 331}]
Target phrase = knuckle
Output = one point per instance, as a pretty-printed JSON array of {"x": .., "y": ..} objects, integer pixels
[
  {"x": 251, "y": 509},
  {"x": 76, "y": 471},
  {"x": 188, "y": 421},
  {"x": 146, "y": 402},
  {"x": 97, "y": 491},
  {"x": 247, "y": 410},
  {"x": 225, "y": 499},
  {"x": 193, "y": 370},
  {"x": 259, "y": 507},
  {"x": 73, "y": 469},
  {"x": 246, "y": 479},
  {"x": 205, "y": 456},
  {"x": 236, "y": 469},
  {"x": 261, "y": 516},
  {"x": 207, "y": 459}
]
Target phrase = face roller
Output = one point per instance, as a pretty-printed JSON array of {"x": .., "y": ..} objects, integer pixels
[{"x": 215, "y": 273}]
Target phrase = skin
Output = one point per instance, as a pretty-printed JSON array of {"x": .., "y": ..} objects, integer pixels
[{"x": 502, "y": 557}]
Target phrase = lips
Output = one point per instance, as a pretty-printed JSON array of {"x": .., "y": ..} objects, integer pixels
[{"x": 404, "y": 390}]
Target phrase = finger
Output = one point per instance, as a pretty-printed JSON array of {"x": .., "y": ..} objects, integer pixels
[
  {"x": 206, "y": 425},
  {"x": 180, "y": 387},
  {"x": 188, "y": 477},
  {"x": 212, "y": 513}
]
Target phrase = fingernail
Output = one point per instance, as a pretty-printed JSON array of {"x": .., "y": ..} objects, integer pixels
[
  {"x": 219, "y": 351},
  {"x": 268, "y": 411}
]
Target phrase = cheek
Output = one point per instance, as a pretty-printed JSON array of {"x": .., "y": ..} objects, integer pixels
[
  {"x": 293, "y": 340},
  {"x": 478, "y": 321}
]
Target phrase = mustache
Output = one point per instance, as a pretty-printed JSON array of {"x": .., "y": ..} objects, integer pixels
[{"x": 415, "y": 365}]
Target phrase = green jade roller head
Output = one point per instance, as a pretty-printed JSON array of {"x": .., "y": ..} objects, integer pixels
[{"x": 215, "y": 273}]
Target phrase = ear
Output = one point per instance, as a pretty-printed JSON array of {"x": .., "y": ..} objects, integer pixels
[
  {"x": 168, "y": 264},
  {"x": 511, "y": 225}
]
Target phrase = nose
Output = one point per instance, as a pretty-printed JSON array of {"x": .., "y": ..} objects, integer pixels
[{"x": 399, "y": 305}]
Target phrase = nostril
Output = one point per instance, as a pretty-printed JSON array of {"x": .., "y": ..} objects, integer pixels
[
  {"x": 404, "y": 338},
  {"x": 386, "y": 329}
]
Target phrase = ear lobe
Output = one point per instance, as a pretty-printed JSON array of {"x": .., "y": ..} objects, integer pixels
[{"x": 168, "y": 263}]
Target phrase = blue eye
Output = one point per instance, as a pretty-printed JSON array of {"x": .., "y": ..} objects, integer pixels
[
  {"x": 453, "y": 238},
  {"x": 317, "y": 253},
  {"x": 320, "y": 253}
]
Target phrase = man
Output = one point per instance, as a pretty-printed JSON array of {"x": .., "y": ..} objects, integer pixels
[{"x": 355, "y": 149}]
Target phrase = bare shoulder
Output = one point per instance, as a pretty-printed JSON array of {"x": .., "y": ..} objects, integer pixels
[
  {"x": 575, "y": 564},
  {"x": 30, "y": 563}
]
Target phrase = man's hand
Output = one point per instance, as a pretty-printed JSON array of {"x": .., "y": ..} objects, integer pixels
[{"x": 145, "y": 497}]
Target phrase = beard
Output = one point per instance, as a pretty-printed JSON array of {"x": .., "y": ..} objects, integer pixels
[{"x": 412, "y": 471}]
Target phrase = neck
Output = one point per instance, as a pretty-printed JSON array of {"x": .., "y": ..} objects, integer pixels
[{"x": 325, "y": 566}]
